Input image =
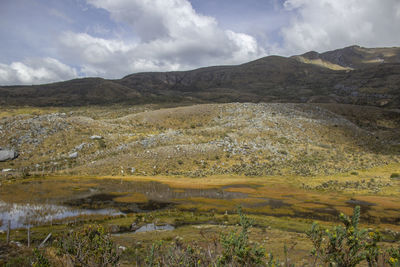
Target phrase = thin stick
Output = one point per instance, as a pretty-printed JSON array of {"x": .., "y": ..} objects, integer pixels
[
  {"x": 29, "y": 236},
  {"x": 8, "y": 231},
  {"x": 45, "y": 240}
]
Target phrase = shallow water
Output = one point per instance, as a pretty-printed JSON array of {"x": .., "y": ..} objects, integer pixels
[
  {"x": 152, "y": 227},
  {"x": 23, "y": 215}
]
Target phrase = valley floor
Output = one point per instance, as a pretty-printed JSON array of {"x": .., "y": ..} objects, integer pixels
[{"x": 282, "y": 207}]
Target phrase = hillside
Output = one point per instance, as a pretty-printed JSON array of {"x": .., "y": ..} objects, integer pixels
[
  {"x": 352, "y": 75},
  {"x": 201, "y": 140}
]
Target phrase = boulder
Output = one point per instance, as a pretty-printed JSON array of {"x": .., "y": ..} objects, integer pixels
[
  {"x": 73, "y": 155},
  {"x": 96, "y": 137},
  {"x": 8, "y": 154}
]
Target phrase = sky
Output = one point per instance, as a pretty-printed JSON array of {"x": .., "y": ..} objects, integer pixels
[{"x": 44, "y": 41}]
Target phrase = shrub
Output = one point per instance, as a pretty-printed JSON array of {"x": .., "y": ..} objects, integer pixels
[
  {"x": 344, "y": 246},
  {"x": 91, "y": 246},
  {"x": 236, "y": 249}
]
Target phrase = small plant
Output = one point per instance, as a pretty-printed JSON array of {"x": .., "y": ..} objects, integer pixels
[
  {"x": 236, "y": 249},
  {"x": 152, "y": 258},
  {"x": 394, "y": 257},
  {"x": 40, "y": 260},
  {"x": 179, "y": 254},
  {"x": 344, "y": 246}
]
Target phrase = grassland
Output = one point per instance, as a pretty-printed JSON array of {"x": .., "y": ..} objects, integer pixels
[
  {"x": 200, "y": 140},
  {"x": 191, "y": 166}
]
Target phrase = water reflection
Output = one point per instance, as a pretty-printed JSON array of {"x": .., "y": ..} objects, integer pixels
[
  {"x": 162, "y": 192},
  {"x": 153, "y": 227},
  {"x": 23, "y": 215}
]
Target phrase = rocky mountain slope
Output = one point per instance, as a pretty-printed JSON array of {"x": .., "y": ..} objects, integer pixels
[
  {"x": 352, "y": 75},
  {"x": 200, "y": 140}
]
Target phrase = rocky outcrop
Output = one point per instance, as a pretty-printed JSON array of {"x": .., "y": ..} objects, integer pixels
[{"x": 8, "y": 154}]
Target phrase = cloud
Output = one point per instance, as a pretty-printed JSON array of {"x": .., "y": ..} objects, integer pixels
[
  {"x": 35, "y": 71},
  {"x": 330, "y": 24},
  {"x": 168, "y": 35},
  {"x": 56, "y": 13}
]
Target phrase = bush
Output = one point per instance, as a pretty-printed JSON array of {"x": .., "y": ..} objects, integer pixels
[
  {"x": 91, "y": 246},
  {"x": 344, "y": 246},
  {"x": 236, "y": 249},
  {"x": 232, "y": 249}
]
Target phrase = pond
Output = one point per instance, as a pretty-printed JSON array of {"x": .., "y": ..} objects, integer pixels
[
  {"x": 23, "y": 215},
  {"x": 153, "y": 227}
]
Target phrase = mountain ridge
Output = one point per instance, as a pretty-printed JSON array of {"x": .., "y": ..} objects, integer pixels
[{"x": 351, "y": 75}]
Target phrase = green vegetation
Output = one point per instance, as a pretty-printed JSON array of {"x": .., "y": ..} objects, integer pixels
[
  {"x": 40, "y": 260},
  {"x": 236, "y": 249},
  {"x": 395, "y": 175},
  {"x": 91, "y": 247},
  {"x": 190, "y": 167},
  {"x": 346, "y": 246}
]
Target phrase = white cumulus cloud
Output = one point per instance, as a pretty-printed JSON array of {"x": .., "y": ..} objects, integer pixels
[
  {"x": 35, "y": 71},
  {"x": 170, "y": 35},
  {"x": 331, "y": 24}
]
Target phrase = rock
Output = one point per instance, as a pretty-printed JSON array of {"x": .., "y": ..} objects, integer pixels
[
  {"x": 80, "y": 147},
  {"x": 96, "y": 137},
  {"x": 6, "y": 170},
  {"x": 134, "y": 227},
  {"x": 73, "y": 155},
  {"x": 114, "y": 228},
  {"x": 8, "y": 154}
]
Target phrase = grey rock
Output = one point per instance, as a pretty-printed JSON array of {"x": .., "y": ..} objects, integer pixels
[
  {"x": 73, "y": 155},
  {"x": 96, "y": 137},
  {"x": 80, "y": 147},
  {"x": 8, "y": 154}
]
